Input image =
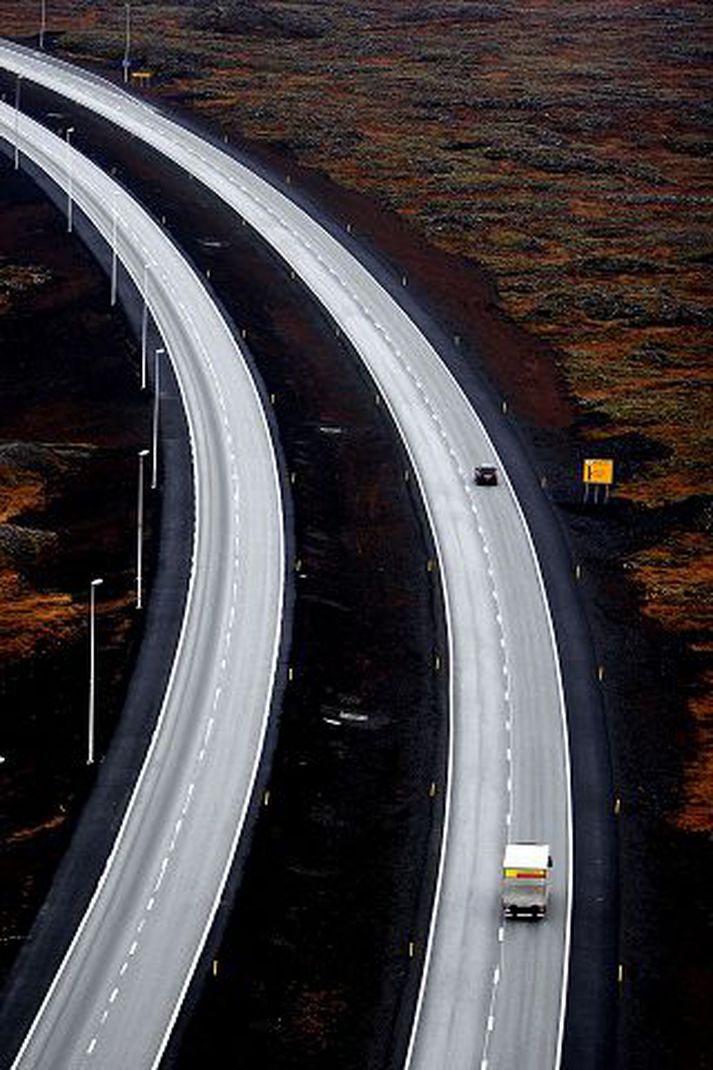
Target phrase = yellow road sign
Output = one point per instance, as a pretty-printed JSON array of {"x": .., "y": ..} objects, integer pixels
[{"x": 599, "y": 471}]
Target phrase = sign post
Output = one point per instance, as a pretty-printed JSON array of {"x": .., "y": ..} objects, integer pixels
[{"x": 597, "y": 472}]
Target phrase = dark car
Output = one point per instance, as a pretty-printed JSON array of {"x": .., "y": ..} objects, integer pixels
[{"x": 485, "y": 475}]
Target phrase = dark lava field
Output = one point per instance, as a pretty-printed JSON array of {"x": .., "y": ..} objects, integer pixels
[{"x": 542, "y": 176}]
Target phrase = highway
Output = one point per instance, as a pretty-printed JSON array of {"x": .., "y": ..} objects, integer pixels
[
  {"x": 493, "y": 994},
  {"x": 137, "y": 945}
]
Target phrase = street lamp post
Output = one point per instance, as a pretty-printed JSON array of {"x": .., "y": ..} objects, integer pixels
[
  {"x": 140, "y": 529},
  {"x": 69, "y": 131},
  {"x": 113, "y": 255},
  {"x": 43, "y": 23},
  {"x": 92, "y": 659},
  {"x": 157, "y": 387},
  {"x": 17, "y": 121},
  {"x": 144, "y": 326},
  {"x": 126, "y": 62}
]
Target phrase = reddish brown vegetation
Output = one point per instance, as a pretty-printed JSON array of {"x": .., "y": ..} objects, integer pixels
[
  {"x": 567, "y": 149},
  {"x": 20, "y": 491},
  {"x": 62, "y": 432},
  {"x": 29, "y": 618}
]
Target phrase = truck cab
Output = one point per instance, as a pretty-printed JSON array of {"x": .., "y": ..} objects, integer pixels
[{"x": 525, "y": 886}]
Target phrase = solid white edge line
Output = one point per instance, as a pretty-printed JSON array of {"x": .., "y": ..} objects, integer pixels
[{"x": 568, "y": 776}]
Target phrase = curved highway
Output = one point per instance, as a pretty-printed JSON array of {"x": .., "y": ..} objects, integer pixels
[
  {"x": 493, "y": 994},
  {"x": 121, "y": 984}
]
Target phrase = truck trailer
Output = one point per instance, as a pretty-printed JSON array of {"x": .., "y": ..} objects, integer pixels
[{"x": 525, "y": 886}]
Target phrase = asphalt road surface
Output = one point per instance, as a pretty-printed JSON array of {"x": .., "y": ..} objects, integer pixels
[
  {"x": 121, "y": 984},
  {"x": 493, "y": 994}
]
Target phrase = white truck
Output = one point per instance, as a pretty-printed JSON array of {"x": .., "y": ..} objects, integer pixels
[{"x": 525, "y": 887}]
